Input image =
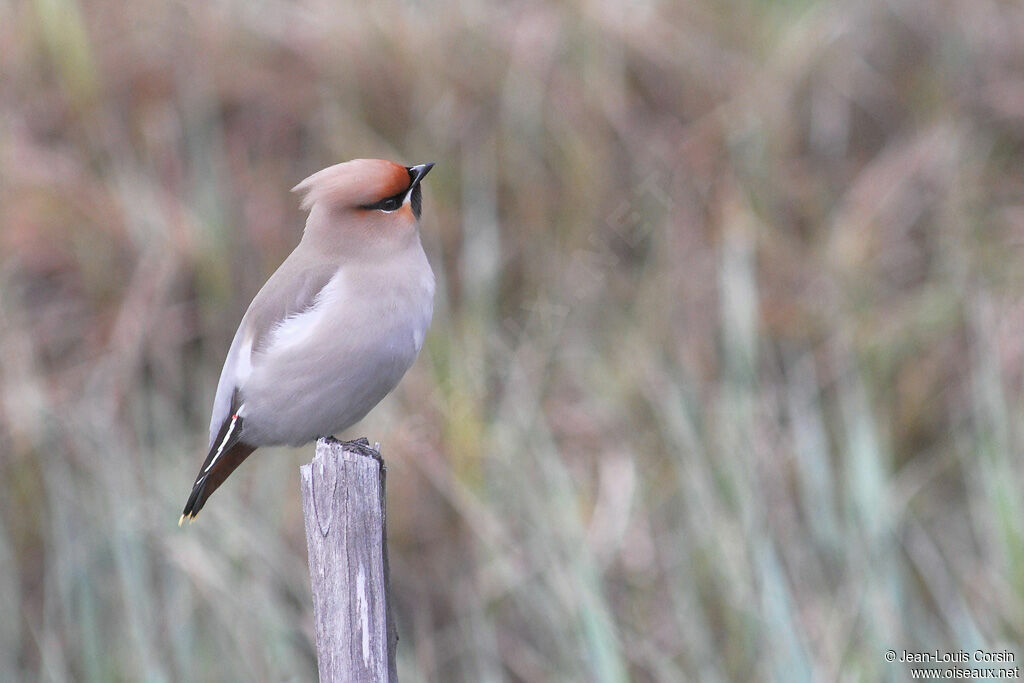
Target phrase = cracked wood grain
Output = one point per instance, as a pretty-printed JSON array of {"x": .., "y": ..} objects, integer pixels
[{"x": 344, "y": 506}]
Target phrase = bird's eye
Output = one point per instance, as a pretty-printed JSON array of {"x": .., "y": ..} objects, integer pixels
[{"x": 388, "y": 204}]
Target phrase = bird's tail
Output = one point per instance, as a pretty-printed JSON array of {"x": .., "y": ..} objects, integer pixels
[{"x": 226, "y": 454}]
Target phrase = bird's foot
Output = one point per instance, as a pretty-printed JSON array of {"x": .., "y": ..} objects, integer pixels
[{"x": 360, "y": 446}]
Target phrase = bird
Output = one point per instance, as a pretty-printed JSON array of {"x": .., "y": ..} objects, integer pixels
[{"x": 336, "y": 326}]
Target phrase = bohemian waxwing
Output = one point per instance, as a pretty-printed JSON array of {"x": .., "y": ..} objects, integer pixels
[{"x": 334, "y": 328}]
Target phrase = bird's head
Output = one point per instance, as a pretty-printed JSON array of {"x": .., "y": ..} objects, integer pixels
[{"x": 363, "y": 203}]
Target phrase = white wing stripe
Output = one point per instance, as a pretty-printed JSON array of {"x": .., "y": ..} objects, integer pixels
[{"x": 220, "y": 448}]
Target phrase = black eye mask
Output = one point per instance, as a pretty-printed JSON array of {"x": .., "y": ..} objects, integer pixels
[
  {"x": 393, "y": 202},
  {"x": 388, "y": 203}
]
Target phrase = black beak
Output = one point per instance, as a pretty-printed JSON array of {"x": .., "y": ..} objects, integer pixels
[{"x": 418, "y": 173}]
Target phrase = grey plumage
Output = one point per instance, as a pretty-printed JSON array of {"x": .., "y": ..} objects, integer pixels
[{"x": 337, "y": 325}]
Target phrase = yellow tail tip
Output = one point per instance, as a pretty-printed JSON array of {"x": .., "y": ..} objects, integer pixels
[{"x": 181, "y": 519}]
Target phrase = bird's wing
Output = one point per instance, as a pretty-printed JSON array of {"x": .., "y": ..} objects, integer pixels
[
  {"x": 292, "y": 289},
  {"x": 221, "y": 461}
]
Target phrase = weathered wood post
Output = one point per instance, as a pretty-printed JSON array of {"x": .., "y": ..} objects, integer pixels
[{"x": 344, "y": 505}]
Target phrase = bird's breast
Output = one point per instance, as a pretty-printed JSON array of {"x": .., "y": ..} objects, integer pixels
[{"x": 327, "y": 366}]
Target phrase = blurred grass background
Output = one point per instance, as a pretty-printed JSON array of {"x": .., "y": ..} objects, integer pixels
[{"x": 724, "y": 381}]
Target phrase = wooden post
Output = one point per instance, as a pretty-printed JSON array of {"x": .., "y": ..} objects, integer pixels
[{"x": 343, "y": 501}]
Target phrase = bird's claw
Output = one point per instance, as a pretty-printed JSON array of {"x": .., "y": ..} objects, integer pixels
[{"x": 360, "y": 446}]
